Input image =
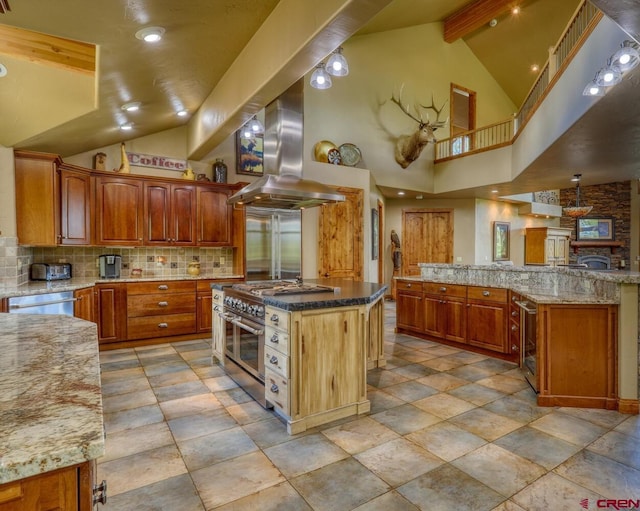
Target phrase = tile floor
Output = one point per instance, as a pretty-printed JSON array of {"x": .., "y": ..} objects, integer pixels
[{"x": 448, "y": 430}]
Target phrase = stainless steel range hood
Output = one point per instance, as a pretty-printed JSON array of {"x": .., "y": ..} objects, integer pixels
[{"x": 282, "y": 185}]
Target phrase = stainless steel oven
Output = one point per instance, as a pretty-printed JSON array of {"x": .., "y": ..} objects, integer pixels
[
  {"x": 244, "y": 342},
  {"x": 529, "y": 341}
]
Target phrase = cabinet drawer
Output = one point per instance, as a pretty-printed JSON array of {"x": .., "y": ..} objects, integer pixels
[
  {"x": 436, "y": 288},
  {"x": 487, "y": 293},
  {"x": 145, "y": 327},
  {"x": 409, "y": 285},
  {"x": 173, "y": 286},
  {"x": 160, "y": 304},
  {"x": 276, "y": 361},
  {"x": 276, "y": 318},
  {"x": 274, "y": 338},
  {"x": 277, "y": 390}
]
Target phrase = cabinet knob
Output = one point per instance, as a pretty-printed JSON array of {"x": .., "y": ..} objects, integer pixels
[
  {"x": 443, "y": 289},
  {"x": 275, "y": 318},
  {"x": 273, "y": 360},
  {"x": 326, "y": 274},
  {"x": 486, "y": 293},
  {"x": 514, "y": 328},
  {"x": 275, "y": 389},
  {"x": 216, "y": 308},
  {"x": 514, "y": 313},
  {"x": 514, "y": 347},
  {"x": 163, "y": 287},
  {"x": 216, "y": 297},
  {"x": 163, "y": 325},
  {"x": 163, "y": 304},
  {"x": 409, "y": 284},
  {"x": 274, "y": 339},
  {"x": 100, "y": 493}
]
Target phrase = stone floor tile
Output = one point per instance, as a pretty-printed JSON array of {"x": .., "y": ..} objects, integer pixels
[
  {"x": 219, "y": 484},
  {"x": 630, "y": 426},
  {"x": 180, "y": 390},
  {"x": 128, "y": 401},
  {"x": 485, "y": 424},
  {"x": 387, "y": 502},
  {"x": 209, "y": 371},
  {"x": 446, "y": 440},
  {"x": 414, "y": 356},
  {"x": 118, "y": 365},
  {"x": 174, "y": 493},
  {"x": 207, "y": 450},
  {"x": 545, "y": 450},
  {"x": 158, "y": 351},
  {"x": 119, "y": 376},
  {"x": 500, "y": 469},
  {"x": 446, "y": 488},
  {"x": 190, "y": 405},
  {"x": 359, "y": 435},
  {"x": 552, "y": 492},
  {"x": 132, "y": 441},
  {"x": 134, "y": 418},
  {"x": 125, "y": 386},
  {"x": 442, "y": 351},
  {"x": 398, "y": 461},
  {"x": 138, "y": 470},
  {"x": 281, "y": 497},
  {"x": 166, "y": 367},
  {"x": 503, "y": 383},
  {"x": 232, "y": 396},
  {"x": 619, "y": 447},
  {"x": 605, "y": 418},
  {"x": 476, "y": 394},
  {"x": 381, "y": 378},
  {"x": 192, "y": 426},
  {"x": 405, "y": 419},
  {"x": 471, "y": 373},
  {"x": 198, "y": 344},
  {"x": 410, "y": 391},
  {"x": 173, "y": 378},
  {"x": 246, "y": 413},
  {"x": 332, "y": 487},
  {"x": 496, "y": 365},
  {"x": 442, "y": 381},
  {"x": 413, "y": 371},
  {"x": 442, "y": 363},
  {"x": 270, "y": 432},
  {"x": 219, "y": 383},
  {"x": 381, "y": 400},
  {"x": 117, "y": 355},
  {"x": 566, "y": 427},
  {"x": 304, "y": 454},
  {"x": 508, "y": 506},
  {"x": 444, "y": 405},
  {"x": 518, "y": 409}
]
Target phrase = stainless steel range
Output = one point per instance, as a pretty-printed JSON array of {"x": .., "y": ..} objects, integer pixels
[{"x": 244, "y": 311}]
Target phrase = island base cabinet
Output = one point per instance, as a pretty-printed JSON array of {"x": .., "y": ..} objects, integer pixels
[
  {"x": 576, "y": 355},
  {"x": 66, "y": 489}
]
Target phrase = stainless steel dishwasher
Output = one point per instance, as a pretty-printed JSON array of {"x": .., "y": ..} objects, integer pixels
[{"x": 45, "y": 303}]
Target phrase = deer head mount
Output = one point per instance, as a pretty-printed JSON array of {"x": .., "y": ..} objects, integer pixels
[{"x": 409, "y": 147}]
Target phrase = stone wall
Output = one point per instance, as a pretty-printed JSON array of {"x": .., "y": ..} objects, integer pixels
[{"x": 611, "y": 200}]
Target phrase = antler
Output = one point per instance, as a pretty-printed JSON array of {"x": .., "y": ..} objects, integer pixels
[
  {"x": 432, "y": 106},
  {"x": 405, "y": 109}
]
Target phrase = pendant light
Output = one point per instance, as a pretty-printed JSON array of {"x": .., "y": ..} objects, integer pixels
[
  {"x": 320, "y": 79},
  {"x": 337, "y": 65},
  {"x": 577, "y": 211},
  {"x": 609, "y": 75},
  {"x": 627, "y": 57}
]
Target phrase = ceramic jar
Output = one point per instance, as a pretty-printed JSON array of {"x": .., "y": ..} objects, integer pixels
[
  {"x": 220, "y": 171},
  {"x": 194, "y": 268}
]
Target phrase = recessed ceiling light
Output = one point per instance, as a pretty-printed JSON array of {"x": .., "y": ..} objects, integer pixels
[
  {"x": 515, "y": 10},
  {"x": 535, "y": 68},
  {"x": 400, "y": 193},
  {"x": 182, "y": 113},
  {"x": 126, "y": 126},
  {"x": 494, "y": 191},
  {"x": 132, "y": 106},
  {"x": 150, "y": 34},
  {"x": 3, "y": 70}
]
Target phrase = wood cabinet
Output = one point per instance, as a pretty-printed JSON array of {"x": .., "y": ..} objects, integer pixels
[
  {"x": 315, "y": 365},
  {"x": 204, "y": 306},
  {"x": 119, "y": 211},
  {"x": 169, "y": 214},
  {"x": 65, "y": 489},
  {"x": 409, "y": 306},
  {"x": 111, "y": 312},
  {"x": 160, "y": 309},
  {"x": 547, "y": 245},
  {"x": 53, "y": 201},
  {"x": 214, "y": 217},
  {"x": 444, "y": 311},
  {"x": 514, "y": 330},
  {"x": 577, "y": 355},
  {"x": 84, "y": 307},
  {"x": 487, "y": 318}
]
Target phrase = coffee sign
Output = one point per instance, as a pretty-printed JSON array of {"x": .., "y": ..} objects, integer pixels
[{"x": 159, "y": 162}]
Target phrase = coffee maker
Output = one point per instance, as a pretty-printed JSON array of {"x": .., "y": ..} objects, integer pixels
[{"x": 110, "y": 266}]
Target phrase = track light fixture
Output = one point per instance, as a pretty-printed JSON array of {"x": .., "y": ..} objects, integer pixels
[
  {"x": 320, "y": 79},
  {"x": 336, "y": 65},
  {"x": 252, "y": 128},
  {"x": 626, "y": 58}
]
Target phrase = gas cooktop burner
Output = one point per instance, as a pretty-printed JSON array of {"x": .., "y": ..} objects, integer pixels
[{"x": 282, "y": 287}]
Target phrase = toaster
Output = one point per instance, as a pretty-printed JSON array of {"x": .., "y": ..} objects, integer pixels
[{"x": 45, "y": 271}]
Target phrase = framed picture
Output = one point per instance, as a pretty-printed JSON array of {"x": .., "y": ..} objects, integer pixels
[
  {"x": 375, "y": 226},
  {"x": 595, "y": 229},
  {"x": 501, "y": 241},
  {"x": 249, "y": 154}
]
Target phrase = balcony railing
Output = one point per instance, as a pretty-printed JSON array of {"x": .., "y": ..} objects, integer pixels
[{"x": 504, "y": 132}]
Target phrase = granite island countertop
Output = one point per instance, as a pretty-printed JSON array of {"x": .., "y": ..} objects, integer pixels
[
  {"x": 346, "y": 292},
  {"x": 50, "y": 398}
]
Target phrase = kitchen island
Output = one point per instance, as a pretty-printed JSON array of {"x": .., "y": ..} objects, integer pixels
[
  {"x": 51, "y": 428},
  {"x": 587, "y": 324},
  {"x": 303, "y": 350}
]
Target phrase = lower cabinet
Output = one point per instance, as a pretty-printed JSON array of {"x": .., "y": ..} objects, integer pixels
[
  {"x": 65, "y": 489},
  {"x": 409, "y": 309},
  {"x": 444, "y": 311},
  {"x": 83, "y": 307},
  {"x": 487, "y": 318},
  {"x": 315, "y": 365},
  {"x": 111, "y": 312},
  {"x": 204, "y": 304}
]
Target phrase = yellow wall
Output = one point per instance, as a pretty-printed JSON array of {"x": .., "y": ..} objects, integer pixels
[{"x": 7, "y": 194}]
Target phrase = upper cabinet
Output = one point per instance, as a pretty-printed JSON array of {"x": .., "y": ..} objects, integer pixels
[
  {"x": 547, "y": 245},
  {"x": 60, "y": 204}
]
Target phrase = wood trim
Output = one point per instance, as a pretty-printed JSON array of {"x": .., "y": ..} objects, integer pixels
[
  {"x": 47, "y": 49},
  {"x": 630, "y": 406},
  {"x": 147, "y": 342},
  {"x": 473, "y": 16},
  {"x": 472, "y": 110}
]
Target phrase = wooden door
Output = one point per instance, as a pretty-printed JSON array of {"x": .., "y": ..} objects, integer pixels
[
  {"x": 214, "y": 217},
  {"x": 340, "y": 237},
  {"x": 427, "y": 238},
  {"x": 75, "y": 208},
  {"x": 119, "y": 211}
]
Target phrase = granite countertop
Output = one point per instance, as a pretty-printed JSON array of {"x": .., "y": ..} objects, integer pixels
[
  {"x": 346, "y": 292},
  {"x": 50, "y": 400},
  {"x": 38, "y": 287}
]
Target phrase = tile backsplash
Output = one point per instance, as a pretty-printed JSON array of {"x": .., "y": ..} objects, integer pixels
[{"x": 154, "y": 262}]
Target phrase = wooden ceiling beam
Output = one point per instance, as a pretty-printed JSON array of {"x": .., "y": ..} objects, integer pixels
[
  {"x": 473, "y": 16},
  {"x": 47, "y": 49}
]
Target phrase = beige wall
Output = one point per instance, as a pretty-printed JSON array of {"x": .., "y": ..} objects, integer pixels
[{"x": 7, "y": 193}]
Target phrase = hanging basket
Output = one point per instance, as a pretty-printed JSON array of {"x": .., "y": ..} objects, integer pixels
[{"x": 576, "y": 211}]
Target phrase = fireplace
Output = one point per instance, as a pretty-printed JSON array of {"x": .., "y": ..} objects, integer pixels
[{"x": 598, "y": 262}]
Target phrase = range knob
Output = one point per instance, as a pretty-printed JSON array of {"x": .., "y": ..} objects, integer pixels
[
  {"x": 243, "y": 306},
  {"x": 260, "y": 311}
]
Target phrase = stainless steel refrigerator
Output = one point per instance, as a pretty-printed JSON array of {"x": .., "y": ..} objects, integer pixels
[{"x": 273, "y": 243}]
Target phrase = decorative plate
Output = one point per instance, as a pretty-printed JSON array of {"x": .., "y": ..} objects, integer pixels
[
  {"x": 321, "y": 150},
  {"x": 333, "y": 156},
  {"x": 351, "y": 155}
]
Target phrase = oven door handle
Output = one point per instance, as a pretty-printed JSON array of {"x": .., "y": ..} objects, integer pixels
[
  {"x": 240, "y": 324},
  {"x": 525, "y": 306},
  {"x": 230, "y": 318}
]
